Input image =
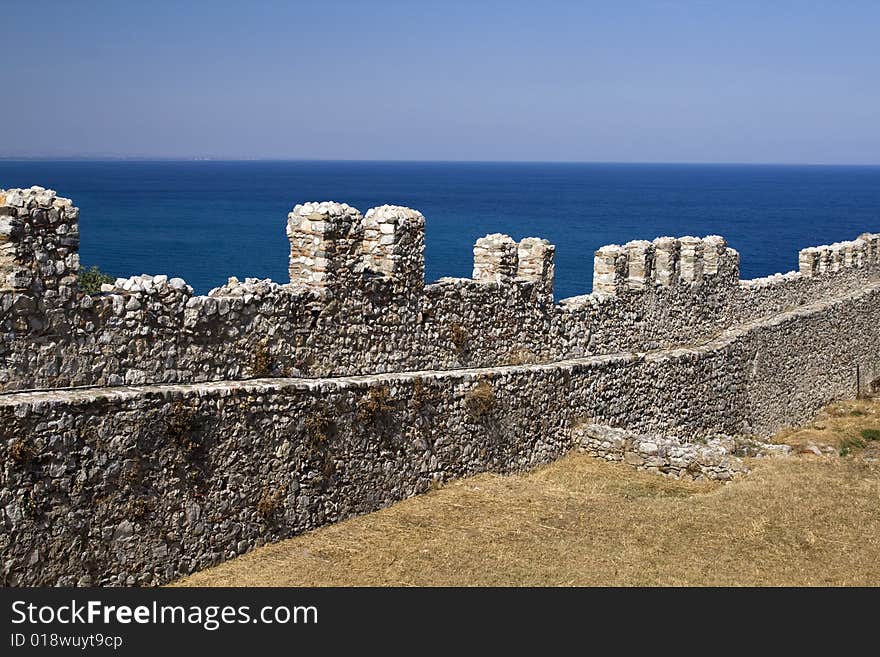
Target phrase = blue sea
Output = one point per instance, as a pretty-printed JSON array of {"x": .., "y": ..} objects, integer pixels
[{"x": 207, "y": 220}]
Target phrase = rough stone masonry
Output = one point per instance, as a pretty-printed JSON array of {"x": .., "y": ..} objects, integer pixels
[{"x": 147, "y": 432}]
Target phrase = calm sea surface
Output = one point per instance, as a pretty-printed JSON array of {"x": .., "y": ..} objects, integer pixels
[{"x": 205, "y": 221}]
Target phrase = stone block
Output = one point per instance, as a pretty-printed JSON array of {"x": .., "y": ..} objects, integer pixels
[
  {"x": 535, "y": 264},
  {"x": 496, "y": 258},
  {"x": 325, "y": 245},
  {"x": 808, "y": 261},
  {"x": 691, "y": 260},
  {"x": 666, "y": 253},
  {"x": 610, "y": 270},
  {"x": 640, "y": 262},
  {"x": 394, "y": 245},
  {"x": 714, "y": 248}
]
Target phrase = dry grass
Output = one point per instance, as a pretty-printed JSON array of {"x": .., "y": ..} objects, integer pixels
[
  {"x": 803, "y": 520},
  {"x": 480, "y": 400},
  {"x": 842, "y": 426}
]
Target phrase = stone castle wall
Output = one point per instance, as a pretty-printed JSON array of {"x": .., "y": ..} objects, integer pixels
[
  {"x": 141, "y": 485},
  {"x": 368, "y": 386},
  {"x": 357, "y": 302}
]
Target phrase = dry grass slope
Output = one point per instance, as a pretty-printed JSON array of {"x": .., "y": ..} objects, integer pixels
[{"x": 803, "y": 520}]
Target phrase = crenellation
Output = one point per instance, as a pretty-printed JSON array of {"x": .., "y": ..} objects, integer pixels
[
  {"x": 357, "y": 302},
  {"x": 610, "y": 270},
  {"x": 728, "y": 267},
  {"x": 867, "y": 249},
  {"x": 535, "y": 264},
  {"x": 838, "y": 253},
  {"x": 39, "y": 245},
  {"x": 394, "y": 246},
  {"x": 669, "y": 346},
  {"x": 841, "y": 257},
  {"x": 714, "y": 250},
  {"x": 826, "y": 259},
  {"x": 850, "y": 253},
  {"x": 872, "y": 247},
  {"x": 666, "y": 254},
  {"x": 859, "y": 256},
  {"x": 808, "y": 261},
  {"x": 325, "y": 245},
  {"x": 691, "y": 260},
  {"x": 640, "y": 263},
  {"x": 496, "y": 258}
]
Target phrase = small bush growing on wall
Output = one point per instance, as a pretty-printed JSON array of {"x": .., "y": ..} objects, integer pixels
[
  {"x": 319, "y": 428},
  {"x": 424, "y": 397},
  {"x": 458, "y": 336},
  {"x": 480, "y": 400},
  {"x": 262, "y": 361},
  {"x": 375, "y": 408},
  {"x": 21, "y": 453},
  {"x": 270, "y": 502},
  {"x": 90, "y": 279},
  {"x": 180, "y": 428}
]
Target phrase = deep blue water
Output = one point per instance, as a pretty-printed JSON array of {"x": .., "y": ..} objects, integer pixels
[{"x": 205, "y": 221}]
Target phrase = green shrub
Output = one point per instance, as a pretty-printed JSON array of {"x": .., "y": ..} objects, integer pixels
[
  {"x": 849, "y": 444},
  {"x": 90, "y": 279},
  {"x": 871, "y": 434}
]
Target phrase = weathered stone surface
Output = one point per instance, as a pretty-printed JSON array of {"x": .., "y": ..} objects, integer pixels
[
  {"x": 150, "y": 452},
  {"x": 535, "y": 264},
  {"x": 715, "y": 458},
  {"x": 610, "y": 270},
  {"x": 216, "y": 423},
  {"x": 359, "y": 305},
  {"x": 496, "y": 258}
]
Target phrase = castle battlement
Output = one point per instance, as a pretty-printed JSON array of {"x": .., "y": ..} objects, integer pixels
[
  {"x": 147, "y": 432},
  {"x": 357, "y": 302}
]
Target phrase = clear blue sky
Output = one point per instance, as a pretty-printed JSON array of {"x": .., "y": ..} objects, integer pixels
[{"x": 640, "y": 81}]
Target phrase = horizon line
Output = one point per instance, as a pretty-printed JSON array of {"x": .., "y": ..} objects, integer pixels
[{"x": 158, "y": 158}]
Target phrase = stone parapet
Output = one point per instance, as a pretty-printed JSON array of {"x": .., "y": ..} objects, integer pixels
[
  {"x": 325, "y": 245},
  {"x": 535, "y": 265},
  {"x": 394, "y": 246},
  {"x": 496, "y": 258},
  {"x": 357, "y": 302}
]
